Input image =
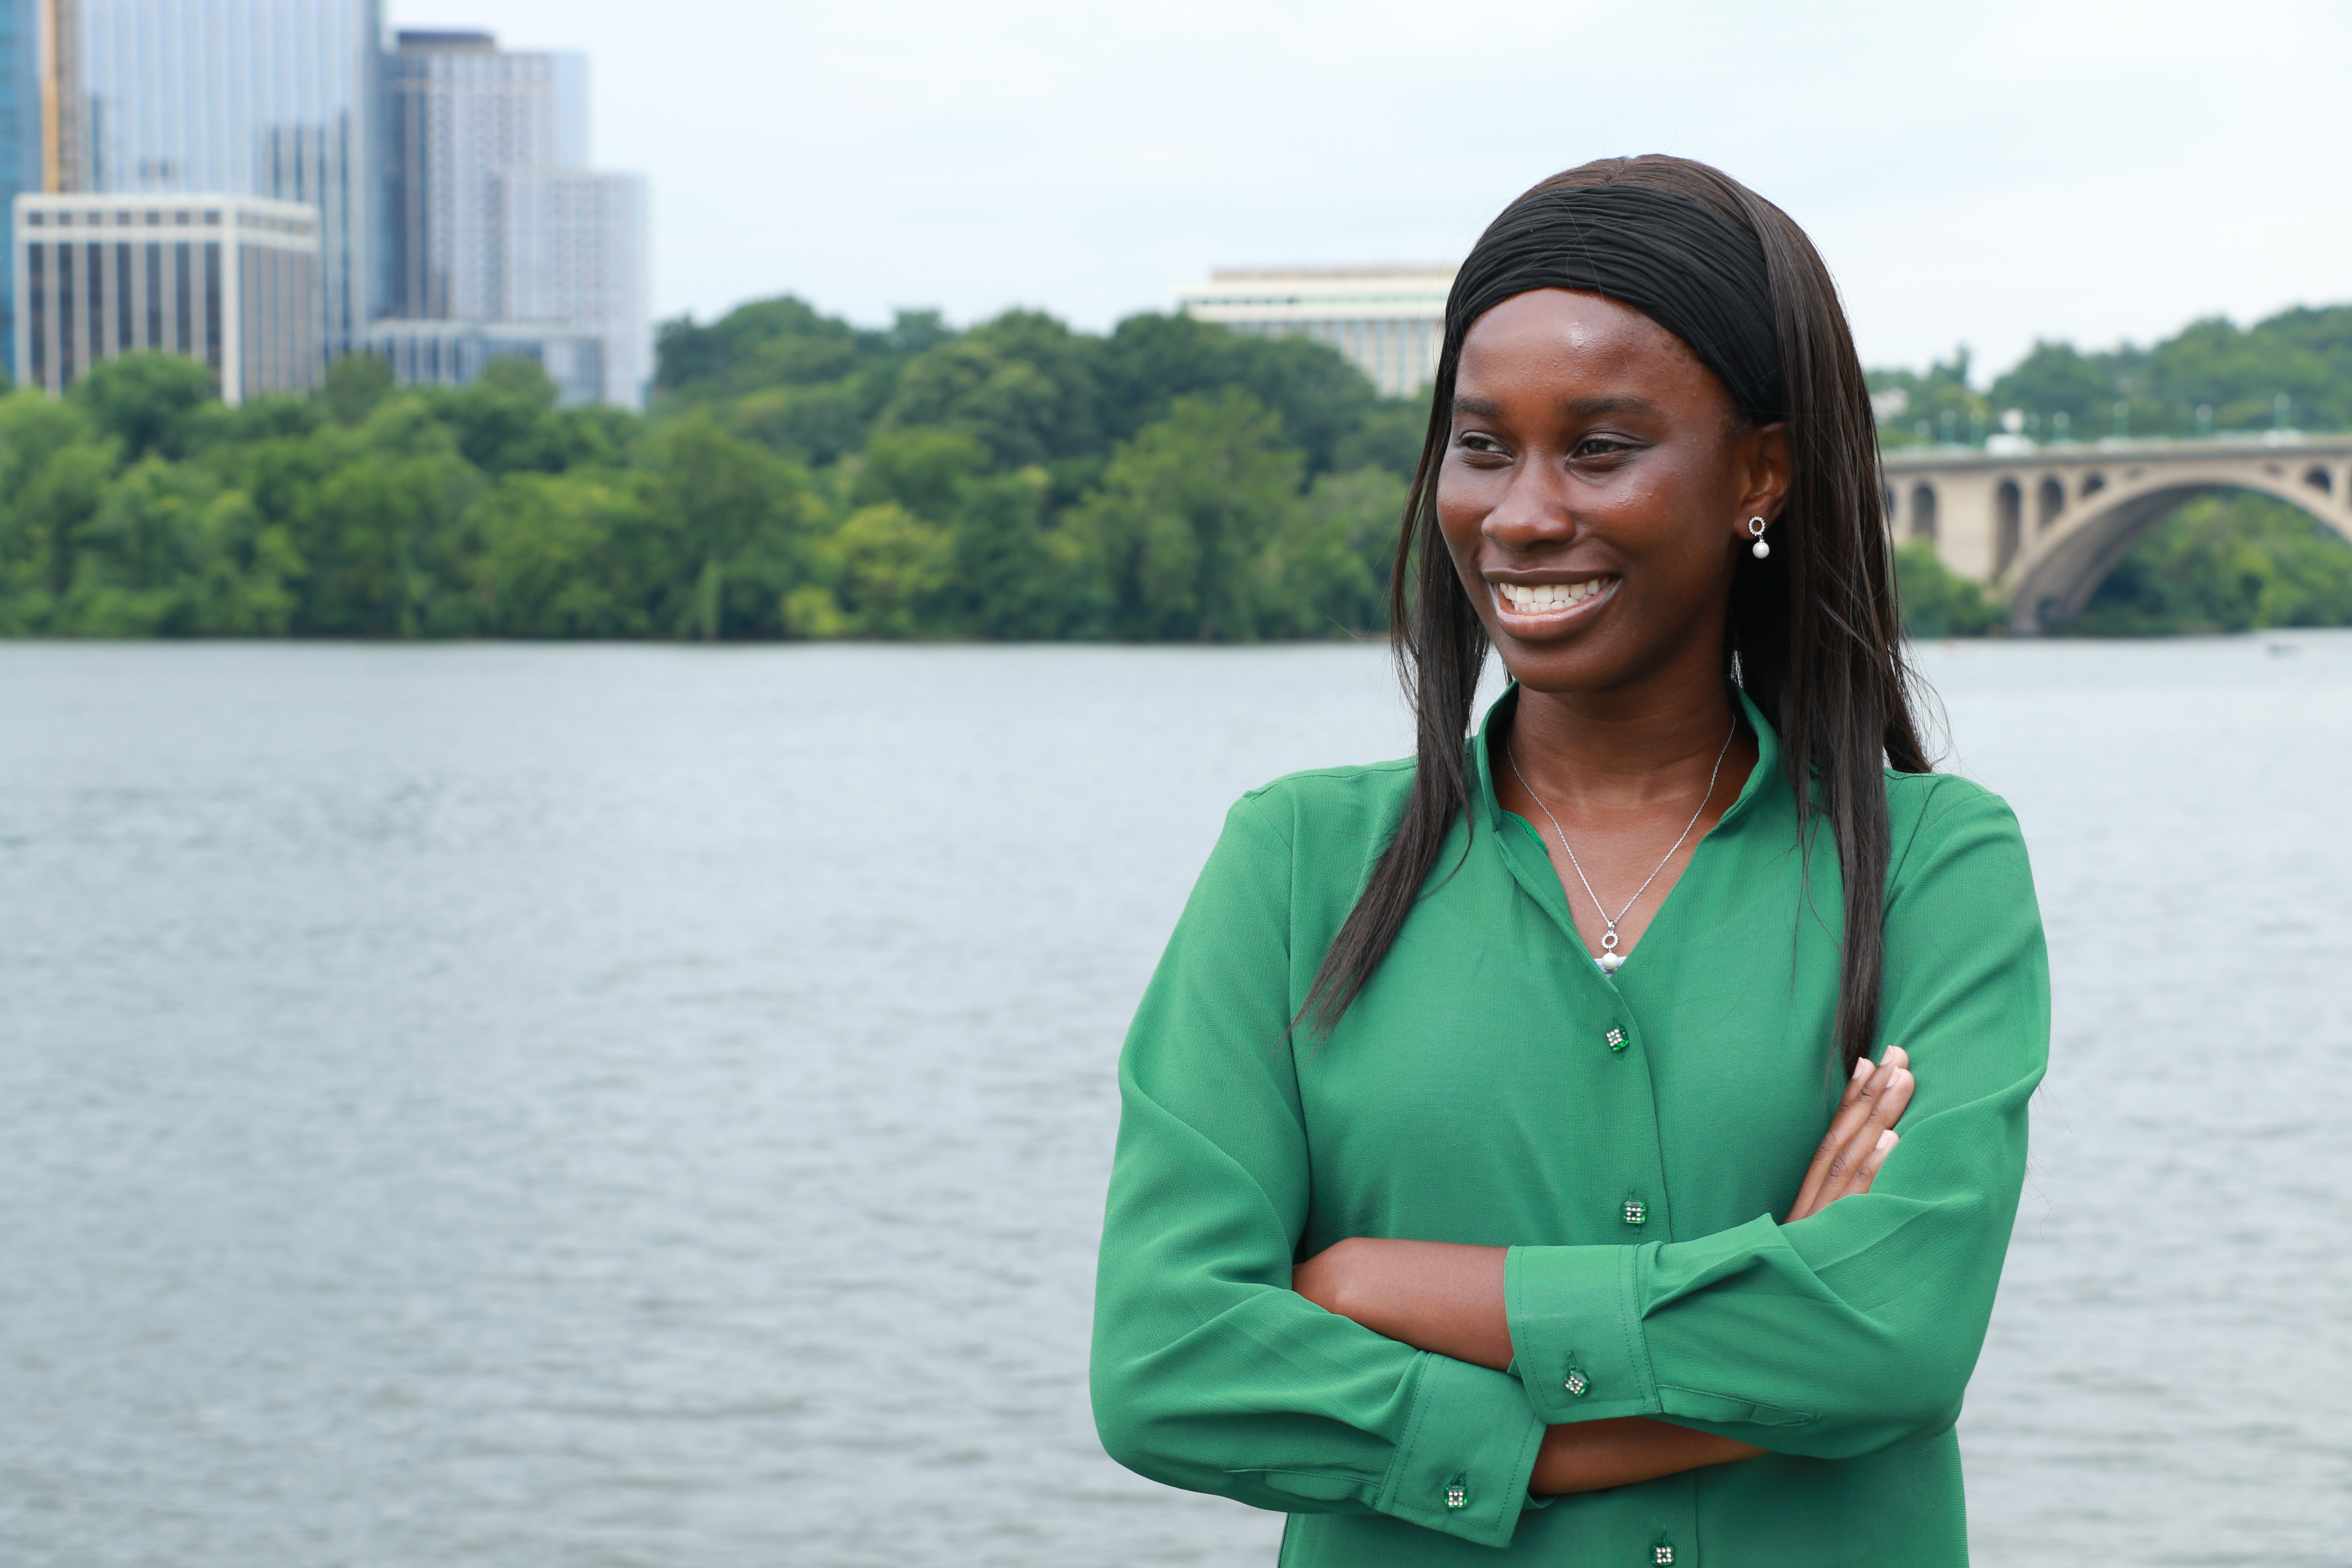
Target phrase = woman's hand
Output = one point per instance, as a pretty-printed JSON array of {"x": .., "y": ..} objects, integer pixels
[{"x": 1860, "y": 1135}]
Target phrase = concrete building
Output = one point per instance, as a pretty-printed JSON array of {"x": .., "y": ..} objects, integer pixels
[
  {"x": 1389, "y": 322},
  {"x": 274, "y": 99},
  {"x": 452, "y": 353},
  {"x": 230, "y": 281},
  {"x": 498, "y": 221}
]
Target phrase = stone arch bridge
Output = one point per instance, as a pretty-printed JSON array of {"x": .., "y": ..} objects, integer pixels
[{"x": 2040, "y": 526}]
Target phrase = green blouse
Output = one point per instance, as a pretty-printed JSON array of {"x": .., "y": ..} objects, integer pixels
[{"x": 1629, "y": 1139}]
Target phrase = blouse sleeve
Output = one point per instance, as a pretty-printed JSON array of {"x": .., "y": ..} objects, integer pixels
[
  {"x": 1857, "y": 1328},
  {"x": 1209, "y": 1372}
]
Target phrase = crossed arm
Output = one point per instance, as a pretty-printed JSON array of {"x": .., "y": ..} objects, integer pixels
[{"x": 1447, "y": 1298}]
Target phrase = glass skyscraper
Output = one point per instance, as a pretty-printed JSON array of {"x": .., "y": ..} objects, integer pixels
[
  {"x": 281, "y": 99},
  {"x": 20, "y": 145}
]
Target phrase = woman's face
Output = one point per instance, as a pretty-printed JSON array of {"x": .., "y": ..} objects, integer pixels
[{"x": 1596, "y": 488}]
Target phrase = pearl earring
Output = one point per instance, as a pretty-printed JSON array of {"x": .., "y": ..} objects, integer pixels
[{"x": 1756, "y": 532}]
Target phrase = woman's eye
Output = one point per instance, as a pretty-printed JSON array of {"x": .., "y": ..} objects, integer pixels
[
  {"x": 1598, "y": 446},
  {"x": 1476, "y": 443}
]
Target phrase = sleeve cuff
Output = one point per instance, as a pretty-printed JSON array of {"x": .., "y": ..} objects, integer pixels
[
  {"x": 1468, "y": 1451},
  {"x": 1576, "y": 1333}
]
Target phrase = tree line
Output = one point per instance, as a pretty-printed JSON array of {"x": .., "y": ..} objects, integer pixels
[{"x": 797, "y": 476}]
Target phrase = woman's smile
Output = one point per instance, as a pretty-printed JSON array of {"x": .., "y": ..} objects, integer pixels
[{"x": 1544, "y": 609}]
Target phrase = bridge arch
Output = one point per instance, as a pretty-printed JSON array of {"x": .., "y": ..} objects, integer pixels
[
  {"x": 1923, "y": 511},
  {"x": 2056, "y": 580}
]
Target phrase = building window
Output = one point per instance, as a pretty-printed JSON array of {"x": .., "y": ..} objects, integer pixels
[
  {"x": 155, "y": 259},
  {"x": 94, "y": 308},
  {"x": 212, "y": 303},
  {"x": 37, "y": 288},
  {"x": 126, "y": 335}
]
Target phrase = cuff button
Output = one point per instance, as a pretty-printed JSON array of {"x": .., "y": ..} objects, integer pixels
[
  {"x": 1576, "y": 1383},
  {"x": 1455, "y": 1497}
]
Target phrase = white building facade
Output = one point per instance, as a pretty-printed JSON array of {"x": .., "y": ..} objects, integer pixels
[
  {"x": 1387, "y": 321},
  {"x": 233, "y": 282}
]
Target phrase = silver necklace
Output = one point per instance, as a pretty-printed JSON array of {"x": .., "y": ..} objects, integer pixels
[{"x": 1609, "y": 957}]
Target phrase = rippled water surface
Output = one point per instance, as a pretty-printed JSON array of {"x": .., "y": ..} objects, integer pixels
[{"x": 611, "y": 1107}]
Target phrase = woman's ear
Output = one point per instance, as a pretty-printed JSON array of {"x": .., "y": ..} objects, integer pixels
[{"x": 1761, "y": 454}]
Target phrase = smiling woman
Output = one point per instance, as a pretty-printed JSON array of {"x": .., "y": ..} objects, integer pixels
[{"x": 1508, "y": 1154}]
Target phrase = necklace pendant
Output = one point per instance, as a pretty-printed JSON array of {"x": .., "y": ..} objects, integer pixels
[{"x": 1608, "y": 963}]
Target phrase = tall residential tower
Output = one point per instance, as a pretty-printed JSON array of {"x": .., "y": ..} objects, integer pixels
[{"x": 498, "y": 225}]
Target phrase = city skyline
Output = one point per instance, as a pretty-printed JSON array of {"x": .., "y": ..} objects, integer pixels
[
  {"x": 2093, "y": 171},
  {"x": 451, "y": 197}
]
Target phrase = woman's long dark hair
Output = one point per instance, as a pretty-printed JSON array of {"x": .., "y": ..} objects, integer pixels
[{"x": 1814, "y": 633}]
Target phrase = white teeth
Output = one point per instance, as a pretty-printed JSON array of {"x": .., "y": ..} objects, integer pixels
[{"x": 1528, "y": 597}]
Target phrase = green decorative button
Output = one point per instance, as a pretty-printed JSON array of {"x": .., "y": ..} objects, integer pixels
[
  {"x": 1576, "y": 1383},
  {"x": 1457, "y": 1497},
  {"x": 1663, "y": 1555},
  {"x": 1636, "y": 1212},
  {"x": 1616, "y": 1038}
]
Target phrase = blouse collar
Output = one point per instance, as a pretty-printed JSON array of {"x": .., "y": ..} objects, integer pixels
[{"x": 1768, "y": 757}]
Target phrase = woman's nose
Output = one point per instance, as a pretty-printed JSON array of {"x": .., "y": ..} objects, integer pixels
[{"x": 1532, "y": 511}]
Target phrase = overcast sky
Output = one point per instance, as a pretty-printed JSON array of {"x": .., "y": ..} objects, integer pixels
[{"x": 1982, "y": 174}]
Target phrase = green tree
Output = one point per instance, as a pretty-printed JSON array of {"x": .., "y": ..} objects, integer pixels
[
  {"x": 148, "y": 402},
  {"x": 2234, "y": 562},
  {"x": 550, "y": 557},
  {"x": 1936, "y": 601},
  {"x": 377, "y": 516},
  {"x": 1934, "y": 407},
  {"x": 727, "y": 506},
  {"x": 1189, "y": 518},
  {"x": 1329, "y": 569},
  {"x": 55, "y": 467},
  {"x": 142, "y": 557},
  {"x": 892, "y": 566},
  {"x": 1024, "y": 385},
  {"x": 355, "y": 383},
  {"x": 1323, "y": 402},
  {"x": 2060, "y": 390}
]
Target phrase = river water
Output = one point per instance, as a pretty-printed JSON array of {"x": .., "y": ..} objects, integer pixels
[{"x": 497, "y": 1106}]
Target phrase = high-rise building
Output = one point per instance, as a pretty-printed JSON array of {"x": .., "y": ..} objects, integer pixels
[
  {"x": 230, "y": 281},
  {"x": 461, "y": 110},
  {"x": 20, "y": 143},
  {"x": 275, "y": 99},
  {"x": 572, "y": 243},
  {"x": 1387, "y": 321},
  {"x": 497, "y": 220}
]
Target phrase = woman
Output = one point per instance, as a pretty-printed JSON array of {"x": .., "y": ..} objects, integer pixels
[{"x": 1508, "y": 1155}]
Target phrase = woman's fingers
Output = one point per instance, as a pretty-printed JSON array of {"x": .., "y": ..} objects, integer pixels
[
  {"x": 1841, "y": 1124},
  {"x": 1850, "y": 1154},
  {"x": 1877, "y": 1157},
  {"x": 1888, "y": 1096}
]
